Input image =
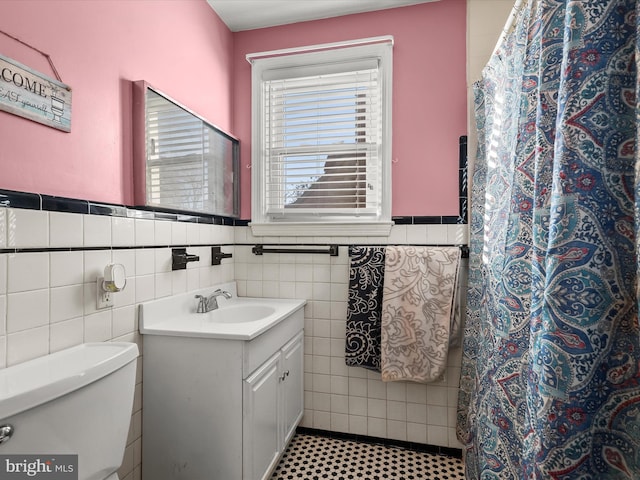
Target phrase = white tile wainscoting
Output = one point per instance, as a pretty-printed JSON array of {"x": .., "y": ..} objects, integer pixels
[
  {"x": 351, "y": 399},
  {"x": 48, "y": 284},
  {"x": 48, "y": 272}
]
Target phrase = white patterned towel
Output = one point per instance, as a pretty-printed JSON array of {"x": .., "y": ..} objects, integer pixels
[{"x": 418, "y": 300}]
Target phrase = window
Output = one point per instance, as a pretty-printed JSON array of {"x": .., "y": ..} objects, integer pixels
[{"x": 321, "y": 140}]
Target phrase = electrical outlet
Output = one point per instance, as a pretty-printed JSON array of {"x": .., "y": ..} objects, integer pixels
[{"x": 104, "y": 299}]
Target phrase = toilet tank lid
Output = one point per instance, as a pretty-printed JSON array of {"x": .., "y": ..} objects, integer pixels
[{"x": 34, "y": 382}]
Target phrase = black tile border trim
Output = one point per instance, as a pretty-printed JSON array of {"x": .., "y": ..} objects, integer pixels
[
  {"x": 35, "y": 201},
  {"x": 11, "y": 198},
  {"x": 417, "y": 447},
  {"x": 61, "y": 204},
  {"x": 125, "y": 247},
  {"x": 107, "y": 209},
  {"x": 463, "y": 180},
  {"x": 426, "y": 220}
]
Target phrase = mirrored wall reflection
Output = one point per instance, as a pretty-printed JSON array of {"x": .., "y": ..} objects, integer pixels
[{"x": 182, "y": 162}]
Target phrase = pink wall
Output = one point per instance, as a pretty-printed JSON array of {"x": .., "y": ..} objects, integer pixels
[
  {"x": 182, "y": 48},
  {"x": 99, "y": 47},
  {"x": 429, "y": 95}
]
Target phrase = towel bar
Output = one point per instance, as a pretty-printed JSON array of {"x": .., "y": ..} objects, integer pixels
[
  {"x": 259, "y": 250},
  {"x": 333, "y": 249}
]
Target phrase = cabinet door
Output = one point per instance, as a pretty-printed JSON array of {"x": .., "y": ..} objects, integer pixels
[
  {"x": 292, "y": 386},
  {"x": 260, "y": 425}
]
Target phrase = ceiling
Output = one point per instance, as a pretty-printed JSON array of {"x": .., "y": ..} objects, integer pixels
[{"x": 249, "y": 14}]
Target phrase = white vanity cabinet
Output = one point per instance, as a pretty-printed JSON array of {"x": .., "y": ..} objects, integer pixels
[
  {"x": 221, "y": 409},
  {"x": 292, "y": 386},
  {"x": 272, "y": 408}
]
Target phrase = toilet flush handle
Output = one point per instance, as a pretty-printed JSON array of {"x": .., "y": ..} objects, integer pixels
[{"x": 6, "y": 432}]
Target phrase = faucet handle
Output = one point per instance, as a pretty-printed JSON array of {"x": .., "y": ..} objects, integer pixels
[{"x": 202, "y": 304}]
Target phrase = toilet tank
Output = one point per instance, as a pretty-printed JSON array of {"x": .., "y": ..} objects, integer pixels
[{"x": 76, "y": 401}]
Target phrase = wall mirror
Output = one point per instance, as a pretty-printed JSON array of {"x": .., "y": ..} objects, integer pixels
[{"x": 181, "y": 161}]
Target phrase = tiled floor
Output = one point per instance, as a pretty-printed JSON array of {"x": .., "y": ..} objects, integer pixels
[{"x": 311, "y": 457}]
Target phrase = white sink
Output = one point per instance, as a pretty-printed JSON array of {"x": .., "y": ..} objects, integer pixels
[
  {"x": 240, "y": 312},
  {"x": 238, "y": 318}
]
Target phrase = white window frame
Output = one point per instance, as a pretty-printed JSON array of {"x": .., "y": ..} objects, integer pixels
[{"x": 263, "y": 64}]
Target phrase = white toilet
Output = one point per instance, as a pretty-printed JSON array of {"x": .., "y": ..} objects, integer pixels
[{"x": 76, "y": 401}]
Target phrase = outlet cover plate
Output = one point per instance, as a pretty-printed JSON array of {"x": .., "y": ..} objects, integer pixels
[{"x": 104, "y": 299}]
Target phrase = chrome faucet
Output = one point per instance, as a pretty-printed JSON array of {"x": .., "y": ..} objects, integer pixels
[{"x": 206, "y": 304}]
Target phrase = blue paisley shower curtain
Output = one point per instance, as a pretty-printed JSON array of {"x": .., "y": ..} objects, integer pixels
[{"x": 550, "y": 385}]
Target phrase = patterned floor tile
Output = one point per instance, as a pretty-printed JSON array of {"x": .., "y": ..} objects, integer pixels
[{"x": 311, "y": 457}]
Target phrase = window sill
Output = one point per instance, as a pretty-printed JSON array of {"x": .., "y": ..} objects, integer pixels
[{"x": 299, "y": 229}]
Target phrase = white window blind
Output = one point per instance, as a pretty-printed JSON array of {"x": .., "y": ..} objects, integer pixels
[
  {"x": 323, "y": 135},
  {"x": 178, "y": 151}
]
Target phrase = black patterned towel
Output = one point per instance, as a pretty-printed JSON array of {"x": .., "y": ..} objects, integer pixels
[{"x": 366, "y": 275}]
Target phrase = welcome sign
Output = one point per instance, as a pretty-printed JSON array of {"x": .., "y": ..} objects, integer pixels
[{"x": 35, "y": 96}]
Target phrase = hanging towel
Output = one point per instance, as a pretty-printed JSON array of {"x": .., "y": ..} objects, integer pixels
[
  {"x": 364, "y": 306},
  {"x": 418, "y": 302}
]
